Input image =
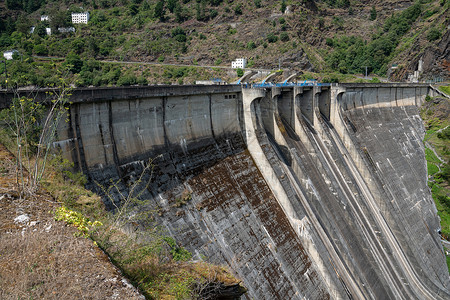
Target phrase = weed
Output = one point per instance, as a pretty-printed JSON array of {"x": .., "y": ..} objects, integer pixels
[
  {"x": 77, "y": 220},
  {"x": 178, "y": 253}
]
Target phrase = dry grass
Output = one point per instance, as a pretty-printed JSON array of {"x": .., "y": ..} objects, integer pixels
[
  {"x": 41, "y": 258},
  {"x": 37, "y": 264},
  {"x": 147, "y": 261}
]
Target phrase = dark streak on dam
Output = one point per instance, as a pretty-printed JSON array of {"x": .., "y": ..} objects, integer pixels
[{"x": 304, "y": 192}]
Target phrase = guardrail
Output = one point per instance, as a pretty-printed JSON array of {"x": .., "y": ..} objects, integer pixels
[{"x": 284, "y": 84}]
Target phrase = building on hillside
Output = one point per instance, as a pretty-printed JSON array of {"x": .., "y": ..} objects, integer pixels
[
  {"x": 48, "y": 31},
  {"x": 239, "y": 63},
  {"x": 80, "y": 18},
  {"x": 66, "y": 29},
  {"x": 45, "y": 18},
  {"x": 8, "y": 54}
]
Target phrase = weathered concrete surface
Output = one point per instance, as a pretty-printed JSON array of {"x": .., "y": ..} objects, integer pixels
[
  {"x": 197, "y": 147},
  {"x": 305, "y": 192}
]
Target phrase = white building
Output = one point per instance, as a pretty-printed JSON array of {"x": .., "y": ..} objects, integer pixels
[
  {"x": 66, "y": 29},
  {"x": 8, "y": 54},
  {"x": 239, "y": 63},
  {"x": 48, "y": 31},
  {"x": 45, "y": 18},
  {"x": 80, "y": 18}
]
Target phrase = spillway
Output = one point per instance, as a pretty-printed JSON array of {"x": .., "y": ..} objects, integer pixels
[{"x": 304, "y": 192}]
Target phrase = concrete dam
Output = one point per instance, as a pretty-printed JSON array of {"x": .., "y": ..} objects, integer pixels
[{"x": 305, "y": 192}]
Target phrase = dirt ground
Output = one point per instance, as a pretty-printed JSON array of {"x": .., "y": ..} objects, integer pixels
[{"x": 40, "y": 258}]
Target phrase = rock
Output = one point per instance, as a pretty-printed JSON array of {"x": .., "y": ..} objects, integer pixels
[{"x": 22, "y": 219}]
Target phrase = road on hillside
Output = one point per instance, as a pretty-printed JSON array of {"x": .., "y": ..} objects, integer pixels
[{"x": 160, "y": 64}]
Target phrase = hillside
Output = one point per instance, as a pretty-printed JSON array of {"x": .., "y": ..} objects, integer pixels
[{"x": 326, "y": 37}]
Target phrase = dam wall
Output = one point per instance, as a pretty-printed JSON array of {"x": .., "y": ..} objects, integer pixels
[{"x": 305, "y": 192}]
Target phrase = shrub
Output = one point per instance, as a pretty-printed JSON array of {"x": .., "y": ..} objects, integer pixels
[
  {"x": 178, "y": 253},
  {"x": 40, "y": 50},
  {"x": 238, "y": 9},
  {"x": 128, "y": 79},
  {"x": 141, "y": 80},
  {"x": 213, "y": 13},
  {"x": 74, "y": 62},
  {"x": 178, "y": 31},
  {"x": 159, "y": 11},
  {"x": 373, "y": 14},
  {"x": 283, "y": 6},
  {"x": 284, "y": 37},
  {"x": 251, "y": 45},
  {"x": 180, "y": 38},
  {"x": 444, "y": 134},
  {"x": 433, "y": 35},
  {"x": 331, "y": 79},
  {"x": 272, "y": 38},
  {"x": 77, "y": 220},
  {"x": 329, "y": 42},
  {"x": 239, "y": 72}
]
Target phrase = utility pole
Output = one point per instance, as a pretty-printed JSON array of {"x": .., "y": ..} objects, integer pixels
[{"x": 366, "y": 70}]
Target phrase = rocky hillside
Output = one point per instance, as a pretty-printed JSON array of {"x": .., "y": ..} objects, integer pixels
[{"x": 321, "y": 36}]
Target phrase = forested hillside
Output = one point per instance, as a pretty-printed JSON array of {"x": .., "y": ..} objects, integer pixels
[{"x": 327, "y": 37}]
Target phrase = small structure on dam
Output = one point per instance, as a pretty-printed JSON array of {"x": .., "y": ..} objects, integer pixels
[{"x": 305, "y": 192}]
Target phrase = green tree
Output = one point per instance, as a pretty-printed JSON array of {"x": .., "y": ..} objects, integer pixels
[
  {"x": 238, "y": 9},
  {"x": 33, "y": 127},
  {"x": 213, "y": 13},
  {"x": 171, "y": 5},
  {"x": 283, "y": 6},
  {"x": 239, "y": 72},
  {"x": 14, "y": 4},
  {"x": 74, "y": 62},
  {"x": 59, "y": 18},
  {"x": 201, "y": 11},
  {"x": 40, "y": 30},
  {"x": 40, "y": 49},
  {"x": 181, "y": 14},
  {"x": 159, "y": 10},
  {"x": 433, "y": 35},
  {"x": 133, "y": 9},
  {"x": 272, "y": 38},
  {"x": 23, "y": 24},
  {"x": 373, "y": 14},
  {"x": 284, "y": 37},
  {"x": 251, "y": 45}
]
